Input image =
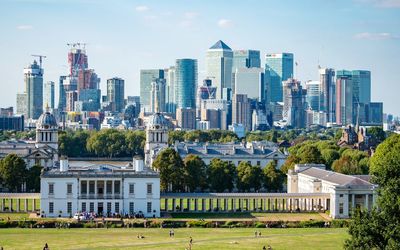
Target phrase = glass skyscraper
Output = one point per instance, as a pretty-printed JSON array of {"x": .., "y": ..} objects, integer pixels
[
  {"x": 116, "y": 93},
  {"x": 344, "y": 98},
  {"x": 219, "y": 66},
  {"x": 185, "y": 83},
  {"x": 278, "y": 67},
  {"x": 313, "y": 95},
  {"x": 147, "y": 76},
  {"x": 362, "y": 82},
  {"x": 33, "y": 76},
  {"x": 246, "y": 59},
  {"x": 48, "y": 95},
  {"x": 327, "y": 101}
]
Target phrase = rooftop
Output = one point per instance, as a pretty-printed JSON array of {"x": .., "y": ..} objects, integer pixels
[{"x": 220, "y": 45}]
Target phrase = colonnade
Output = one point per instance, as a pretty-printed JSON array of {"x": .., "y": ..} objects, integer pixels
[
  {"x": 19, "y": 202},
  {"x": 245, "y": 202}
]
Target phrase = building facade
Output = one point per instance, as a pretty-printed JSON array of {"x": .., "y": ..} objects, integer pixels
[
  {"x": 33, "y": 76},
  {"x": 246, "y": 59},
  {"x": 294, "y": 108},
  {"x": 157, "y": 96},
  {"x": 156, "y": 137},
  {"x": 147, "y": 76},
  {"x": 48, "y": 95},
  {"x": 278, "y": 67},
  {"x": 116, "y": 93},
  {"x": 185, "y": 83},
  {"x": 241, "y": 111},
  {"x": 328, "y": 100},
  {"x": 250, "y": 81}
]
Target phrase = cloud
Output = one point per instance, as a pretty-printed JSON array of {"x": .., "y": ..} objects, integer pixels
[
  {"x": 142, "y": 8},
  {"x": 24, "y": 27},
  {"x": 381, "y": 3},
  {"x": 191, "y": 15},
  {"x": 375, "y": 36},
  {"x": 225, "y": 23}
]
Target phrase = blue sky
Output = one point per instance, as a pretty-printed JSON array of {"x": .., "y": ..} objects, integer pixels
[{"x": 126, "y": 36}]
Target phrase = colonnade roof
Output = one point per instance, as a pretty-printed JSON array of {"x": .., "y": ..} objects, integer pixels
[{"x": 244, "y": 195}]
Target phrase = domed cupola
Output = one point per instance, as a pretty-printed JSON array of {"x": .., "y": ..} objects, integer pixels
[
  {"x": 47, "y": 121},
  {"x": 47, "y": 131}
]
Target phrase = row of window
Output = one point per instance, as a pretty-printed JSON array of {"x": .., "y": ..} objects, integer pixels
[
  {"x": 109, "y": 205},
  {"x": 100, "y": 189}
]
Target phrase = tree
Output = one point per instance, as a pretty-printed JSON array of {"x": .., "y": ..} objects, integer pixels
[
  {"x": 13, "y": 172},
  {"x": 176, "y": 135},
  {"x": 380, "y": 229},
  {"x": 195, "y": 173},
  {"x": 346, "y": 165},
  {"x": 135, "y": 141},
  {"x": 33, "y": 178},
  {"x": 377, "y": 133},
  {"x": 273, "y": 177},
  {"x": 309, "y": 154},
  {"x": 329, "y": 156},
  {"x": 171, "y": 168},
  {"x": 248, "y": 177},
  {"x": 221, "y": 175},
  {"x": 107, "y": 142},
  {"x": 290, "y": 162}
]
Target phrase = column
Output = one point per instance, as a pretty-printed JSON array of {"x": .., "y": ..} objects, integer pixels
[
  {"x": 10, "y": 204},
  {"x": 18, "y": 205},
  {"x": 3, "y": 204},
  {"x": 367, "y": 201},
  {"x": 196, "y": 205},
  {"x": 173, "y": 204},
  {"x": 353, "y": 201},
  {"x": 26, "y": 205},
  {"x": 181, "y": 204},
  {"x": 95, "y": 188},
  {"x": 226, "y": 205},
  {"x": 255, "y": 204},
  {"x": 165, "y": 204},
  {"x": 203, "y": 204}
]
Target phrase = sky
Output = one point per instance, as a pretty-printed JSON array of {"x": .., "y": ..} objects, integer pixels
[{"x": 125, "y": 36}]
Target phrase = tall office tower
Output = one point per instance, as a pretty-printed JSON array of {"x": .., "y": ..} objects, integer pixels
[
  {"x": 33, "y": 76},
  {"x": 313, "y": 95},
  {"x": 71, "y": 97},
  {"x": 61, "y": 94},
  {"x": 215, "y": 112},
  {"x": 294, "y": 103},
  {"x": 250, "y": 81},
  {"x": 241, "y": 112},
  {"x": 116, "y": 93},
  {"x": 48, "y": 95},
  {"x": 87, "y": 79},
  {"x": 345, "y": 111},
  {"x": 170, "y": 103},
  {"x": 21, "y": 104},
  {"x": 77, "y": 59},
  {"x": 328, "y": 100},
  {"x": 219, "y": 66},
  {"x": 147, "y": 76},
  {"x": 204, "y": 92},
  {"x": 362, "y": 86},
  {"x": 157, "y": 96},
  {"x": 135, "y": 102},
  {"x": 186, "y": 118},
  {"x": 376, "y": 113},
  {"x": 246, "y": 59},
  {"x": 185, "y": 83},
  {"x": 280, "y": 68},
  {"x": 89, "y": 100}
]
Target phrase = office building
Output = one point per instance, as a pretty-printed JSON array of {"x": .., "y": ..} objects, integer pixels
[
  {"x": 219, "y": 66},
  {"x": 157, "y": 96},
  {"x": 89, "y": 100},
  {"x": 278, "y": 67},
  {"x": 204, "y": 92},
  {"x": 246, "y": 59},
  {"x": 185, "y": 83},
  {"x": 48, "y": 95},
  {"x": 116, "y": 94},
  {"x": 241, "y": 112},
  {"x": 21, "y": 104},
  {"x": 11, "y": 122},
  {"x": 147, "y": 76},
  {"x": 170, "y": 102},
  {"x": 61, "y": 94},
  {"x": 33, "y": 76},
  {"x": 186, "y": 118},
  {"x": 345, "y": 110},
  {"x": 362, "y": 86},
  {"x": 313, "y": 95},
  {"x": 376, "y": 113},
  {"x": 328, "y": 97},
  {"x": 294, "y": 104},
  {"x": 250, "y": 81}
]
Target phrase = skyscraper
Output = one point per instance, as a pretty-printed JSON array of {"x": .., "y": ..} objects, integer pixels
[
  {"x": 48, "y": 95},
  {"x": 116, "y": 93},
  {"x": 294, "y": 103},
  {"x": 157, "y": 96},
  {"x": 147, "y": 76},
  {"x": 362, "y": 82},
  {"x": 327, "y": 101},
  {"x": 219, "y": 66},
  {"x": 280, "y": 68},
  {"x": 246, "y": 59},
  {"x": 170, "y": 103},
  {"x": 345, "y": 112},
  {"x": 185, "y": 83},
  {"x": 61, "y": 94},
  {"x": 313, "y": 95},
  {"x": 33, "y": 76},
  {"x": 241, "y": 112},
  {"x": 186, "y": 118},
  {"x": 250, "y": 81}
]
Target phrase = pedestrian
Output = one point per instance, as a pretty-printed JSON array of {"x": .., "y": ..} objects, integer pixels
[
  {"x": 46, "y": 247},
  {"x": 173, "y": 233},
  {"x": 264, "y": 248},
  {"x": 191, "y": 240},
  {"x": 255, "y": 234},
  {"x": 259, "y": 234},
  {"x": 269, "y": 247}
]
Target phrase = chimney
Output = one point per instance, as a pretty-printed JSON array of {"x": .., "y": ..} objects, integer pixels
[
  {"x": 64, "y": 164},
  {"x": 138, "y": 163}
]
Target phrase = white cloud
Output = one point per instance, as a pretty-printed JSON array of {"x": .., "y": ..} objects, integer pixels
[
  {"x": 142, "y": 8},
  {"x": 375, "y": 36},
  {"x": 24, "y": 27},
  {"x": 225, "y": 23}
]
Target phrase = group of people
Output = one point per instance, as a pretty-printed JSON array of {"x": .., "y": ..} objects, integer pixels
[{"x": 257, "y": 234}]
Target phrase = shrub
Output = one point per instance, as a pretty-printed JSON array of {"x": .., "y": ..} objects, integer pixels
[
  {"x": 199, "y": 223},
  {"x": 311, "y": 223},
  {"x": 260, "y": 225},
  {"x": 340, "y": 223}
]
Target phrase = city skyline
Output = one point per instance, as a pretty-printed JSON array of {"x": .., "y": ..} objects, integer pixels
[{"x": 364, "y": 37}]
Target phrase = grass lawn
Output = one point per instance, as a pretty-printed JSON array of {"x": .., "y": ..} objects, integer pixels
[{"x": 203, "y": 238}]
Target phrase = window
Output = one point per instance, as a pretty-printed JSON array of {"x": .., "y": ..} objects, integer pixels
[
  {"x": 83, "y": 206},
  {"x": 109, "y": 188},
  {"x": 131, "y": 208},
  {"x": 109, "y": 207},
  {"x": 69, "y": 188},
  {"x": 117, "y": 207},
  {"x": 91, "y": 187},
  {"x": 51, "y": 188},
  {"x": 258, "y": 163},
  {"x": 83, "y": 187},
  {"x": 149, "y": 188},
  {"x": 149, "y": 207},
  {"x": 116, "y": 187},
  {"x": 69, "y": 207},
  {"x": 91, "y": 208},
  {"x": 341, "y": 195},
  {"x": 340, "y": 208},
  {"x": 131, "y": 188},
  {"x": 51, "y": 207}
]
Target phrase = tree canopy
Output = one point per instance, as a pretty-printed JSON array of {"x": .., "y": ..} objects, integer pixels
[
  {"x": 13, "y": 172},
  {"x": 171, "y": 168}
]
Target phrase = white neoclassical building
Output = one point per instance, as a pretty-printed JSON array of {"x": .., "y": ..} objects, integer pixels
[
  {"x": 103, "y": 189},
  {"x": 346, "y": 192},
  {"x": 156, "y": 137}
]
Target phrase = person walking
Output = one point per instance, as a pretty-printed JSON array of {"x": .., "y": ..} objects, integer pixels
[{"x": 46, "y": 247}]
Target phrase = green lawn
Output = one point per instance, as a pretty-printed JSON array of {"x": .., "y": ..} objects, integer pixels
[{"x": 203, "y": 238}]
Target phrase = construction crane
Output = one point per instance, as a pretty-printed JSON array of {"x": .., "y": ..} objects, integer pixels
[{"x": 40, "y": 59}]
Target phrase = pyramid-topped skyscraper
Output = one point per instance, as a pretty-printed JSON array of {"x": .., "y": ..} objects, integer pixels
[{"x": 219, "y": 66}]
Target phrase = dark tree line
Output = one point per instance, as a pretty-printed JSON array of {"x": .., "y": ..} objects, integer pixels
[{"x": 193, "y": 175}]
